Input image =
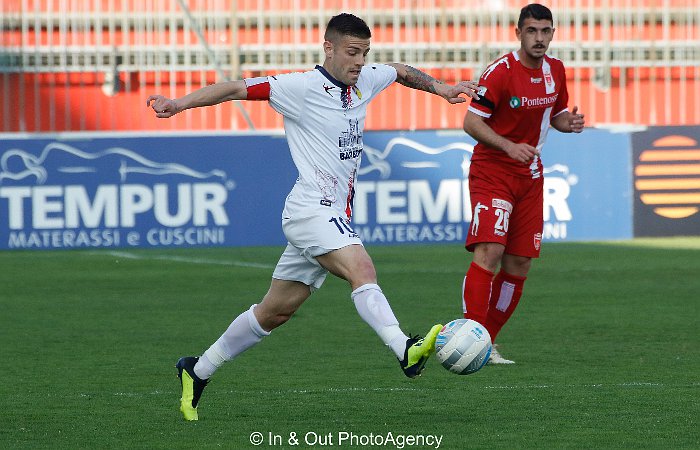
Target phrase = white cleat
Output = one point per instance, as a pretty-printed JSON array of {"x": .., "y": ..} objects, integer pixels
[{"x": 496, "y": 357}]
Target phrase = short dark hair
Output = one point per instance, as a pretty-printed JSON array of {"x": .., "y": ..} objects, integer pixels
[
  {"x": 534, "y": 11},
  {"x": 345, "y": 24}
]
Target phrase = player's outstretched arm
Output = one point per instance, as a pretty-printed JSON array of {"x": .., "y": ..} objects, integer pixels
[
  {"x": 414, "y": 78},
  {"x": 569, "y": 122},
  {"x": 206, "y": 96}
]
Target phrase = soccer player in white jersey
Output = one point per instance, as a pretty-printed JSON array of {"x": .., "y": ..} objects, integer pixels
[{"x": 324, "y": 116}]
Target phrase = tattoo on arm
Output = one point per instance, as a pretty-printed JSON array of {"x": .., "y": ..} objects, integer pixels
[{"x": 418, "y": 80}]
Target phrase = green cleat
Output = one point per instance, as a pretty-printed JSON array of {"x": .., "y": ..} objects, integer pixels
[
  {"x": 192, "y": 387},
  {"x": 417, "y": 352}
]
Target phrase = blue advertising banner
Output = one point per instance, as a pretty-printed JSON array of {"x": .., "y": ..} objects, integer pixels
[
  {"x": 157, "y": 191},
  {"x": 413, "y": 187},
  {"x": 98, "y": 191}
]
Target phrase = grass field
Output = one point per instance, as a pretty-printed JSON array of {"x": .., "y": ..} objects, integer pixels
[{"x": 606, "y": 341}]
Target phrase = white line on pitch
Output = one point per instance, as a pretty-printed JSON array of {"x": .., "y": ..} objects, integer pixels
[
  {"x": 402, "y": 389},
  {"x": 185, "y": 259},
  {"x": 219, "y": 262}
]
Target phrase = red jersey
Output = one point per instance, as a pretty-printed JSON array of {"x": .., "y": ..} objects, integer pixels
[{"x": 519, "y": 103}]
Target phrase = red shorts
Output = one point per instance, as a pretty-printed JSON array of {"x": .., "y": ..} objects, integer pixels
[{"x": 506, "y": 209}]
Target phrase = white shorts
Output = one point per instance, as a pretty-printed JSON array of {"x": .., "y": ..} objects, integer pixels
[{"x": 309, "y": 235}]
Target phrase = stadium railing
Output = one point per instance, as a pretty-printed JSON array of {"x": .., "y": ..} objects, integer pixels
[{"x": 631, "y": 62}]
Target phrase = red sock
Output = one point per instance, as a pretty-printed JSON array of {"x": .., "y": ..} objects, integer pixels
[
  {"x": 506, "y": 293},
  {"x": 476, "y": 293}
]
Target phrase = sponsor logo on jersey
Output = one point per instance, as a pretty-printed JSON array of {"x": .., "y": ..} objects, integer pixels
[
  {"x": 481, "y": 91},
  {"x": 328, "y": 185},
  {"x": 534, "y": 80},
  {"x": 475, "y": 220},
  {"x": 358, "y": 92},
  {"x": 350, "y": 141},
  {"x": 502, "y": 204},
  {"x": 548, "y": 78},
  {"x": 549, "y": 85},
  {"x": 325, "y": 202},
  {"x": 535, "y": 102},
  {"x": 537, "y": 240},
  {"x": 514, "y": 102},
  {"x": 328, "y": 89},
  {"x": 346, "y": 98}
]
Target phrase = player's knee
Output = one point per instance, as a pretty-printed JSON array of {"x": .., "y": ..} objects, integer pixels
[
  {"x": 516, "y": 265},
  {"x": 488, "y": 255},
  {"x": 273, "y": 312},
  {"x": 368, "y": 272},
  {"x": 363, "y": 274},
  {"x": 278, "y": 319},
  {"x": 271, "y": 319}
]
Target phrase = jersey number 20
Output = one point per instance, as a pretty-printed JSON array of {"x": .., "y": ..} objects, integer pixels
[{"x": 502, "y": 217}]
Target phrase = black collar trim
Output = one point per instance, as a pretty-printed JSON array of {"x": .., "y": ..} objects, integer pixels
[{"x": 331, "y": 79}]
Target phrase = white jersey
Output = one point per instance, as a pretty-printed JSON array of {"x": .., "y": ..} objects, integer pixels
[{"x": 324, "y": 120}]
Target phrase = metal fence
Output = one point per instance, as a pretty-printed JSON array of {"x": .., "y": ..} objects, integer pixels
[{"x": 89, "y": 65}]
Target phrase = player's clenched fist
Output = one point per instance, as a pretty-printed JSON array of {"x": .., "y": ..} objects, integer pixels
[{"x": 163, "y": 106}]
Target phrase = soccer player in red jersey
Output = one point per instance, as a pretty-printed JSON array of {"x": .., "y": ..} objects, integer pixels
[{"x": 521, "y": 94}]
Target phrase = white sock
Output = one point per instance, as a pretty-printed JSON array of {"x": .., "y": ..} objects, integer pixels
[
  {"x": 374, "y": 309},
  {"x": 243, "y": 333}
]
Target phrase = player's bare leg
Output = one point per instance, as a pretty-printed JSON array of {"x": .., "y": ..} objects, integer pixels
[
  {"x": 516, "y": 265},
  {"x": 281, "y": 301},
  {"x": 488, "y": 255},
  {"x": 353, "y": 264}
]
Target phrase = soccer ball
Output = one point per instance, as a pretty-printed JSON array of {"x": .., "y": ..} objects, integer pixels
[{"x": 463, "y": 346}]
